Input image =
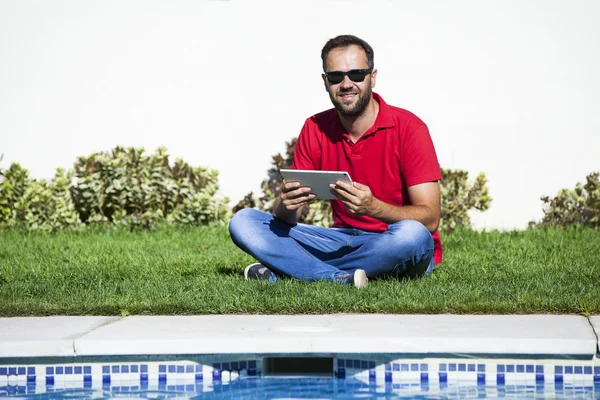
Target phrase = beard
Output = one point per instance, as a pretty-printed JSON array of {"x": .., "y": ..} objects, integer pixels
[{"x": 355, "y": 109}]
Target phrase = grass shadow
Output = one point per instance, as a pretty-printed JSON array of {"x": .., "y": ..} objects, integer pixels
[{"x": 229, "y": 271}]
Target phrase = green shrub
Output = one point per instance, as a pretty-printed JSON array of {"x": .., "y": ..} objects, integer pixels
[
  {"x": 458, "y": 196},
  {"x": 580, "y": 206},
  {"x": 34, "y": 204},
  {"x": 15, "y": 182},
  {"x": 128, "y": 187},
  {"x": 123, "y": 188}
]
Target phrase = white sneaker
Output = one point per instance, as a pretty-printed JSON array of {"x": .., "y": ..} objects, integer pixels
[{"x": 359, "y": 279}]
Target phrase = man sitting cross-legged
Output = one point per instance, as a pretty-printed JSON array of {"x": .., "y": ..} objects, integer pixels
[{"x": 385, "y": 223}]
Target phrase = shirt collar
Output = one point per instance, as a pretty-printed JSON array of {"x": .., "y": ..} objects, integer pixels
[{"x": 384, "y": 117}]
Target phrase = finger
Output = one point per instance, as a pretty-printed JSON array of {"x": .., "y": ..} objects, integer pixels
[
  {"x": 298, "y": 205},
  {"x": 346, "y": 186},
  {"x": 298, "y": 192},
  {"x": 338, "y": 195},
  {"x": 292, "y": 207},
  {"x": 349, "y": 206},
  {"x": 287, "y": 186},
  {"x": 299, "y": 200},
  {"x": 305, "y": 199},
  {"x": 342, "y": 194}
]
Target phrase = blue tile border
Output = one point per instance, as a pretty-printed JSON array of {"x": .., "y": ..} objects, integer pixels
[
  {"x": 534, "y": 371},
  {"x": 392, "y": 371}
]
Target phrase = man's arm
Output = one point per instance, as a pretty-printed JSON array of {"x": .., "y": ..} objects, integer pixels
[
  {"x": 425, "y": 207},
  {"x": 424, "y": 198}
]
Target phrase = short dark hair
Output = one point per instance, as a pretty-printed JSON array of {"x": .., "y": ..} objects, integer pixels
[{"x": 342, "y": 41}]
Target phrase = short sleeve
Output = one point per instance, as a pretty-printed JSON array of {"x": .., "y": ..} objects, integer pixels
[
  {"x": 304, "y": 152},
  {"x": 418, "y": 157}
]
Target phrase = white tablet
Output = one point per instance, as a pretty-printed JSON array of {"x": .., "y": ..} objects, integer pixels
[{"x": 318, "y": 181}]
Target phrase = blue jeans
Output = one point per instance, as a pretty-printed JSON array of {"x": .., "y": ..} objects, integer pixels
[{"x": 312, "y": 253}]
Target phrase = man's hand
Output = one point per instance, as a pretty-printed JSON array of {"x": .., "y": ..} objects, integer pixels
[
  {"x": 424, "y": 203},
  {"x": 293, "y": 196},
  {"x": 357, "y": 197},
  {"x": 291, "y": 199}
]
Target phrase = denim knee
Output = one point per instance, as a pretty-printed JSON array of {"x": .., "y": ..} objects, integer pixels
[
  {"x": 242, "y": 222},
  {"x": 411, "y": 231},
  {"x": 417, "y": 244}
]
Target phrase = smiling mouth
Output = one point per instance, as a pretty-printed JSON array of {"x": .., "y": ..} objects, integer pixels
[{"x": 347, "y": 95}]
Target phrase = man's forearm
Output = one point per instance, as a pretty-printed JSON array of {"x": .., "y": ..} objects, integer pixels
[{"x": 390, "y": 214}]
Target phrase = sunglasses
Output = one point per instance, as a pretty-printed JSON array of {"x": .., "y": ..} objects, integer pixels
[{"x": 355, "y": 75}]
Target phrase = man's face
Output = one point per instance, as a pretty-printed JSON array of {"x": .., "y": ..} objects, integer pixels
[{"x": 348, "y": 97}]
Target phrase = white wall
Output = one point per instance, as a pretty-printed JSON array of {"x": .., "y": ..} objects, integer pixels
[{"x": 510, "y": 88}]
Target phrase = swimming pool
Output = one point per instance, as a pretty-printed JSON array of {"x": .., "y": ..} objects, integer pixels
[
  {"x": 343, "y": 376},
  {"x": 393, "y": 356},
  {"x": 312, "y": 388}
]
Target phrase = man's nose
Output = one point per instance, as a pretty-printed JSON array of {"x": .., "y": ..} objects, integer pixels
[{"x": 347, "y": 82}]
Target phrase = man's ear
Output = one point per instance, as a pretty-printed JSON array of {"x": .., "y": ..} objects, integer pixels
[
  {"x": 373, "y": 78},
  {"x": 325, "y": 82}
]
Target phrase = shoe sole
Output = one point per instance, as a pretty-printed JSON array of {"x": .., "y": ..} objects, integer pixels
[{"x": 360, "y": 279}]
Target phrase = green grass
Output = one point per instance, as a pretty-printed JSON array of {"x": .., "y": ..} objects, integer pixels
[{"x": 199, "y": 271}]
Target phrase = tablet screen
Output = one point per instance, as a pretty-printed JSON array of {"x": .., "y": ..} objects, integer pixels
[{"x": 318, "y": 181}]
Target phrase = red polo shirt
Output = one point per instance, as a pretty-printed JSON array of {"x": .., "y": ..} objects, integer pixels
[{"x": 394, "y": 154}]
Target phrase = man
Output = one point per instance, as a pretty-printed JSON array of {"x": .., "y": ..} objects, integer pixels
[{"x": 385, "y": 223}]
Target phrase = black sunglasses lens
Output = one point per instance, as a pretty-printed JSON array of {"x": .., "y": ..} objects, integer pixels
[
  {"x": 335, "y": 77},
  {"x": 357, "y": 76}
]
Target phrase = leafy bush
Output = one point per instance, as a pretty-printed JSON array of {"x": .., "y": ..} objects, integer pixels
[
  {"x": 458, "y": 196},
  {"x": 130, "y": 188},
  {"x": 123, "y": 188},
  {"x": 42, "y": 204},
  {"x": 12, "y": 188},
  {"x": 580, "y": 206}
]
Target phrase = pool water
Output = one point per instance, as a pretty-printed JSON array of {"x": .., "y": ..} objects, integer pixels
[{"x": 305, "y": 388}]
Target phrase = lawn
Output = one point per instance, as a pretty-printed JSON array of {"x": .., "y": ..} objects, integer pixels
[{"x": 199, "y": 271}]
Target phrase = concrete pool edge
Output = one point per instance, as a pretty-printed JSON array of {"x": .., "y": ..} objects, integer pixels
[{"x": 74, "y": 336}]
